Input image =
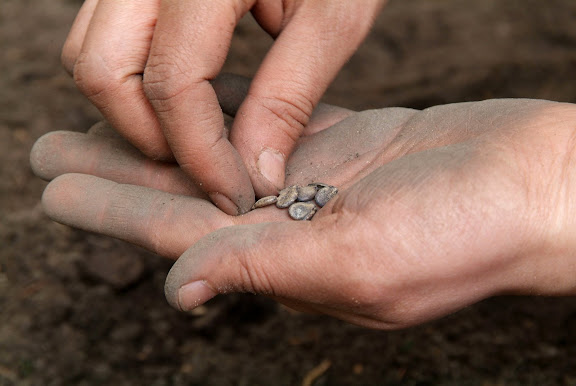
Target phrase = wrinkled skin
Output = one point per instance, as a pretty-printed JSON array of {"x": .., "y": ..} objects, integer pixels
[
  {"x": 147, "y": 66},
  {"x": 437, "y": 209}
]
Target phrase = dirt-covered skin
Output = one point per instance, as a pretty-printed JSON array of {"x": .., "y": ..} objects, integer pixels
[{"x": 82, "y": 309}]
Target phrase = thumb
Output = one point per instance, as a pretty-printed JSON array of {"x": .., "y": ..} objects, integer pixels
[{"x": 281, "y": 260}]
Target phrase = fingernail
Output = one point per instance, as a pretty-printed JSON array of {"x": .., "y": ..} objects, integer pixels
[
  {"x": 271, "y": 166},
  {"x": 194, "y": 294},
  {"x": 224, "y": 203}
]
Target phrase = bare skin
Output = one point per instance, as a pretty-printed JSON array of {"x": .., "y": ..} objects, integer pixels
[
  {"x": 437, "y": 209},
  {"x": 147, "y": 65}
]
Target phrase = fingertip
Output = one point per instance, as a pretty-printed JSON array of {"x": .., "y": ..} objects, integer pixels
[
  {"x": 58, "y": 197},
  {"x": 171, "y": 291},
  {"x": 226, "y": 205},
  {"x": 265, "y": 133},
  {"x": 270, "y": 175},
  {"x": 188, "y": 269},
  {"x": 150, "y": 141},
  {"x": 37, "y": 157},
  {"x": 103, "y": 129},
  {"x": 209, "y": 264},
  {"x": 42, "y": 162},
  {"x": 158, "y": 151},
  {"x": 192, "y": 295},
  {"x": 263, "y": 258},
  {"x": 220, "y": 172},
  {"x": 75, "y": 199}
]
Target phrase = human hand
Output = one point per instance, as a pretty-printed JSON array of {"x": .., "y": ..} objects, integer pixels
[
  {"x": 437, "y": 210},
  {"x": 147, "y": 65},
  {"x": 105, "y": 154}
]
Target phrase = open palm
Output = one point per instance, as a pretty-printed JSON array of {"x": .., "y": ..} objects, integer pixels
[{"x": 437, "y": 209}]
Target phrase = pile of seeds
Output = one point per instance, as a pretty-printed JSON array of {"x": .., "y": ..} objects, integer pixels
[{"x": 302, "y": 201}]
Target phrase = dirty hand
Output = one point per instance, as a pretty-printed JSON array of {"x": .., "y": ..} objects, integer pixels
[
  {"x": 437, "y": 209},
  {"x": 147, "y": 65}
]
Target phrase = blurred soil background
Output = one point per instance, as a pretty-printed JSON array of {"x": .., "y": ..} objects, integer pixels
[{"x": 80, "y": 309}]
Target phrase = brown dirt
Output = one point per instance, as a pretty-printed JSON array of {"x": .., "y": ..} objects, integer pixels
[{"x": 77, "y": 308}]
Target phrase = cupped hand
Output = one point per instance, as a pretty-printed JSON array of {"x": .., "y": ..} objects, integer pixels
[
  {"x": 437, "y": 209},
  {"x": 147, "y": 65}
]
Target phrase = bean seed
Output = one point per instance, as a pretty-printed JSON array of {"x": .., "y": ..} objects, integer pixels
[
  {"x": 310, "y": 198},
  {"x": 306, "y": 193},
  {"x": 302, "y": 210},
  {"x": 287, "y": 196},
  {"x": 325, "y": 194},
  {"x": 265, "y": 201}
]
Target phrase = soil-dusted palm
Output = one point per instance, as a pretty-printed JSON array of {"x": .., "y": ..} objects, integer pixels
[{"x": 437, "y": 209}]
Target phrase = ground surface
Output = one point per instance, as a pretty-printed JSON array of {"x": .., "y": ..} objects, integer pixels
[{"x": 81, "y": 309}]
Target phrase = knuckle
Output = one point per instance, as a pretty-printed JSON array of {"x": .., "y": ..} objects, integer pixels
[
  {"x": 164, "y": 81},
  {"x": 249, "y": 272},
  {"x": 91, "y": 78},
  {"x": 294, "y": 110},
  {"x": 254, "y": 278}
]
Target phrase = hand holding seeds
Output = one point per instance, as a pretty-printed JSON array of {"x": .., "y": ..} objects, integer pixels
[
  {"x": 435, "y": 210},
  {"x": 147, "y": 65}
]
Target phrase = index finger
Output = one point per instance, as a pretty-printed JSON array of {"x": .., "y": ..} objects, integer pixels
[{"x": 188, "y": 50}]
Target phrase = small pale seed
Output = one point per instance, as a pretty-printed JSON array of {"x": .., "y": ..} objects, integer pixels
[
  {"x": 287, "y": 196},
  {"x": 265, "y": 201},
  {"x": 325, "y": 194},
  {"x": 302, "y": 210},
  {"x": 306, "y": 193}
]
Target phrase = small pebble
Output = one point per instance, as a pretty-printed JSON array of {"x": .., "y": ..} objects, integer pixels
[
  {"x": 306, "y": 193},
  {"x": 302, "y": 210},
  {"x": 287, "y": 196},
  {"x": 265, "y": 201},
  {"x": 325, "y": 194}
]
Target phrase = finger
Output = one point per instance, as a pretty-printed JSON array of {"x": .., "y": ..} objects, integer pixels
[
  {"x": 188, "y": 50},
  {"x": 292, "y": 262},
  {"x": 104, "y": 155},
  {"x": 104, "y": 129},
  {"x": 232, "y": 90},
  {"x": 164, "y": 223},
  {"x": 308, "y": 53},
  {"x": 75, "y": 39},
  {"x": 109, "y": 71},
  {"x": 352, "y": 264}
]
